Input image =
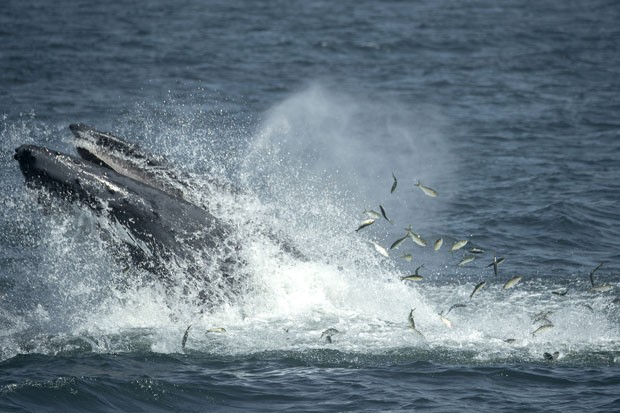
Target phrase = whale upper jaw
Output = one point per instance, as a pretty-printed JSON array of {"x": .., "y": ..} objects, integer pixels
[{"x": 126, "y": 158}]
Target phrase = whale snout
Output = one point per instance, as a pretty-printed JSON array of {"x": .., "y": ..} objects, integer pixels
[{"x": 25, "y": 156}]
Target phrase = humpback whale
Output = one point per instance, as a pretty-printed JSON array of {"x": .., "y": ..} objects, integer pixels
[{"x": 162, "y": 227}]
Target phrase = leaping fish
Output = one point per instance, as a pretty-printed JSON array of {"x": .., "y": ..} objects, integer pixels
[
  {"x": 592, "y": 273},
  {"x": 415, "y": 237},
  {"x": 445, "y": 320},
  {"x": 380, "y": 249},
  {"x": 542, "y": 329},
  {"x": 512, "y": 282},
  {"x": 496, "y": 262},
  {"x": 477, "y": 288},
  {"x": 216, "y": 330},
  {"x": 427, "y": 191},
  {"x": 455, "y": 306},
  {"x": 410, "y": 318},
  {"x": 413, "y": 277},
  {"x": 365, "y": 223},
  {"x": 184, "y": 340},
  {"x": 458, "y": 245},
  {"x": 437, "y": 245},
  {"x": 384, "y": 214},
  {"x": 602, "y": 288},
  {"x": 372, "y": 213},
  {"x": 466, "y": 260},
  {"x": 399, "y": 241},
  {"x": 394, "y": 184}
]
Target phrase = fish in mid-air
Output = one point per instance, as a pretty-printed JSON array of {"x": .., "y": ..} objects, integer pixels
[
  {"x": 380, "y": 249},
  {"x": 445, "y": 320},
  {"x": 466, "y": 260},
  {"x": 399, "y": 241},
  {"x": 365, "y": 223},
  {"x": 412, "y": 323},
  {"x": 412, "y": 277},
  {"x": 427, "y": 191},
  {"x": 455, "y": 306},
  {"x": 512, "y": 282},
  {"x": 542, "y": 329},
  {"x": 416, "y": 237},
  {"x": 384, "y": 214},
  {"x": 477, "y": 288},
  {"x": 592, "y": 273},
  {"x": 394, "y": 184},
  {"x": 184, "y": 340},
  {"x": 495, "y": 263},
  {"x": 437, "y": 245},
  {"x": 458, "y": 245}
]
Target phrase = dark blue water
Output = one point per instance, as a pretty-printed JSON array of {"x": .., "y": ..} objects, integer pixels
[{"x": 508, "y": 110}]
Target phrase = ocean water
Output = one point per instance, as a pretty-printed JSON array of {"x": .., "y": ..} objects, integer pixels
[{"x": 509, "y": 110}]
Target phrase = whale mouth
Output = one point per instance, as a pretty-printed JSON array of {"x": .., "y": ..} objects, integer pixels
[
  {"x": 91, "y": 157},
  {"x": 24, "y": 156}
]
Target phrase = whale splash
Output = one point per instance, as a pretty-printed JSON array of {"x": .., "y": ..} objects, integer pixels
[{"x": 339, "y": 281}]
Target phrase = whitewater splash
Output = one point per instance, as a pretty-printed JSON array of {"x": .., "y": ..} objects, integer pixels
[{"x": 315, "y": 162}]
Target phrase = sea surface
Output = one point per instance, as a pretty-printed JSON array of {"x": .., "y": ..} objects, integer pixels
[{"x": 509, "y": 110}]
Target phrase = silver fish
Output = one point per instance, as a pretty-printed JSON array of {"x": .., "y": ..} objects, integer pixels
[
  {"x": 412, "y": 323},
  {"x": 542, "y": 329},
  {"x": 329, "y": 332},
  {"x": 412, "y": 277},
  {"x": 184, "y": 340},
  {"x": 477, "y": 288},
  {"x": 416, "y": 237},
  {"x": 592, "y": 273},
  {"x": 496, "y": 262},
  {"x": 407, "y": 257},
  {"x": 458, "y": 245},
  {"x": 541, "y": 316},
  {"x": 466, "y": 260},
  {"x": 380, "y": 249},
  {"x": 512, "y": 282},
  {"x": 437, "y": 245},
  {"x": 561, "y": 292},
  {"x": 384, "y": 214},
  {"x": 476, "y": 251},
  {"x": 455, "y": 306},
  {"x": 411, "y": 320},
  {"x": 216, "y": 330},
  {"x": 550, "y": 357},
  {"x": 365, "y": 223},
  {"x": 444, "y": 320},
  {"x": 399, "y": 241},
  {"x": 415, "y": 276},
  {"x": 427, "y": 191},
  {"x": 372, "y": 214},
  {"x": 601, "y": 288},
  {"x": 393, "y": 184}
]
